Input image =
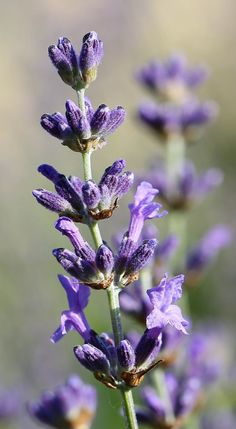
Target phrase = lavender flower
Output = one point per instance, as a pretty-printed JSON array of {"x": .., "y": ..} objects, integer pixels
[
  {"x": 72, "y": 405},
  {"x": 173, "y": 79},
  {"x": 165, "y": 312},
  {"x": 188, "y": 187},
  {"x": 85, "y": 201},
  {"x": 83, "y": 132},
  {"x": 130, "y": 257},
  {"x": 200, "y": 256},
  {"x": 74, "y": 318},
  {"x": 83, "y": 263},
  {"x": 77, "y": 70},
  {"x": 187, "y": 119}
]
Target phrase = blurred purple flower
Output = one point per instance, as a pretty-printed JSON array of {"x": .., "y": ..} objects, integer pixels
[
  {"x": 187, "y": 119},
  {"x": 72, "y": 405},
  {"x": 188, "y": 187},
  {"x": 204, "y": 253},
  {"x": 171, "y": 80}
]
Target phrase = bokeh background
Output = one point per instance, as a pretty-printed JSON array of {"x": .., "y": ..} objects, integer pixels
[{"x": 133, "y": 32}]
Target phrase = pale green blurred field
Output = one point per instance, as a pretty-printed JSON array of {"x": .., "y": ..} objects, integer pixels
[{"x": 133, "y": 32}]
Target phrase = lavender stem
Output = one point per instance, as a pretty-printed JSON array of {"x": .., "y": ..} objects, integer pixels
[
  {"x": 112, "y": 291},
  {"x": 160, "y": 384},
  {"x": 128, "y": 402},
  {"x": 175, "y": 159}
]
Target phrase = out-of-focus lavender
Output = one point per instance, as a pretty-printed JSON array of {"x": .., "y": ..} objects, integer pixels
[
  {"x": 205, "y": 252},
  {"x": 187, "y": 188},
  {"x": 173, "y": 79},
  {"x": 72, "y": 405}
]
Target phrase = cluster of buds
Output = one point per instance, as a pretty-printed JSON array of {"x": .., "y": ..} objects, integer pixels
[
  {"x": 85, "y": 201},
  {"x": 83, "y": 131},
  {"x": 77, "y": 70}
]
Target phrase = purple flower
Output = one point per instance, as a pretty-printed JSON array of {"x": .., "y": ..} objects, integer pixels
[
  {"x": 165, "y": 312},
  {"x": 77, "y": 70},
  {"x": 71, "y": 405},
  {"x": 173, "y": 79},
  {"x": 83, "y": 263},
  {"x": 200, "y": 256},
  {"x": 131, "y": 257},
  {"x": 99, "y": 356},
  {"x": 83, "y": 132},
  {"x": 143, "y": 208},
  {"x": 74, "y": 318},
  {"x": 80, "y": 200},
  {"x": 187, "y": 188},
  {"x": 136, "y": 361},
  {"x": 167, "y": 119}
]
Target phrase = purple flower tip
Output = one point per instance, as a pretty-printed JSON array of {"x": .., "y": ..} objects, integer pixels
[{"x": 163, "y": 298}]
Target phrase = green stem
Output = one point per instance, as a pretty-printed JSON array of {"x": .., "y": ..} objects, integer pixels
[
  {"x": 112, "y": 291},
  {"x": 81, "y": 101},
  {"x": 175, "y": 159},
  {"x": 114, "y": 306},
  {"x": 128, "y": 406},
  {"x": 161, "y": 387},
  {"x": 87, "y": 165},
  {"x": 175, "y": 155},
  {"x": 127, "y": 397}
]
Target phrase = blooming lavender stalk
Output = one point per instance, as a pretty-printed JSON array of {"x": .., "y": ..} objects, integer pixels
[
  {"x": 84, "y": 130},
  {"x": 177, "y": 118}
]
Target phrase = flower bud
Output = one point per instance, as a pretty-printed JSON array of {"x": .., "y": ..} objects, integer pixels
[
  {"x": 126, "y": 355},
  {"x": 92, "y": 358},
  {"x": 104, "y": 259},
  {"x": 91, "y": 194},
  {"x": 90, "y": 57}
]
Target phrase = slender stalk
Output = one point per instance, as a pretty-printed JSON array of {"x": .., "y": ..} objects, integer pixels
[
  {"x": 128, "y": 406},
  {"x": 81, "y": 100},
  {"x": 160, "y": 384},
  {"x": 112, "y": 291},
  {"x": 175, "y": 158},
  {"x": 127, "y": 397},
  {"x": 87, "y": 165},
  {"x": 114, "y": 306}
]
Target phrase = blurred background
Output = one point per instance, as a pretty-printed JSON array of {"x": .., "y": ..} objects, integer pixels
[{"x": 133, "y": 32}]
